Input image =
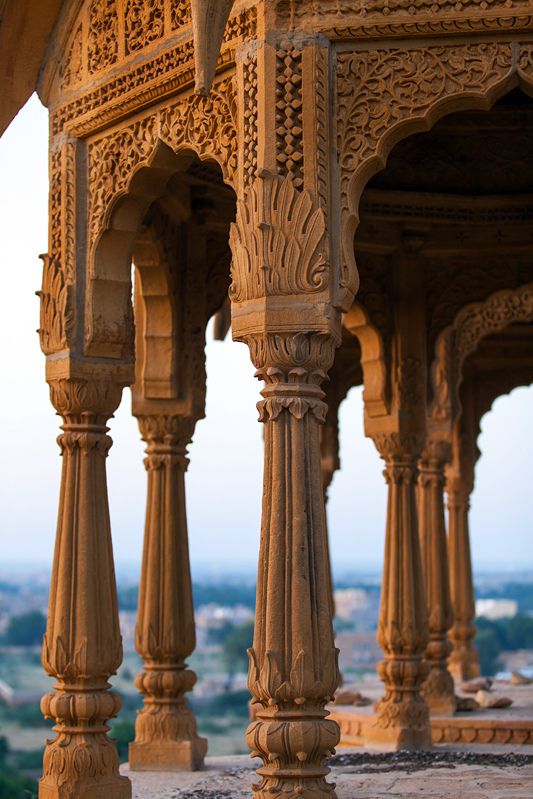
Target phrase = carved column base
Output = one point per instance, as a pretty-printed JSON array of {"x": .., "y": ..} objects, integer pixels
[
  {"x": 294, "y": 748},
  {"x": 119, "y": 788},
  {"x": 402, "y": 717},
  {"x": 463, "y": 663},
  {"x": 439, "y": 691},
  {"x": 165, "y": 729},
  {"x": 394, "y": 739},
  {"x": 168, "y": 755}
]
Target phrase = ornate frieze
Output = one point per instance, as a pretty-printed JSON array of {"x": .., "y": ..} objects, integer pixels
[
  {"x": 383, "y": 94},
  {"x": 141, "y": 83},
  {"x": 180, "y": 13},
  {"x": 339, "y": 19}
]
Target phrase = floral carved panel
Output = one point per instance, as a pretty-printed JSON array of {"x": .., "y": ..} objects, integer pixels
[
  {"x": 144, "y": 22},
  {"x": 102, "y": 34},
  {"x": 57, "y": 314}
]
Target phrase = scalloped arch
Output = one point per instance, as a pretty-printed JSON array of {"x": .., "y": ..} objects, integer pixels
[
  {"x": 460, "y": 339},
  {"x": 386, "y": 95}
]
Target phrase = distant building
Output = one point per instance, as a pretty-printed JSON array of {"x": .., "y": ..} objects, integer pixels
[
  {"x": 496, "y": 608},
  {"x": 358, "y": 650},
  {"x": 349, "y": 602}
]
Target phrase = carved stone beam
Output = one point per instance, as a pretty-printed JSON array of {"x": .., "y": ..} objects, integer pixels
[
  {"x": 166, "y": 738},
  {"x": 284, "y": 280},
  {"x": 209, "y": 18},
  {"x": 82, "y": 645},
  {"x": 402, "y": 720},
  {"x": 438, "y": 689}
]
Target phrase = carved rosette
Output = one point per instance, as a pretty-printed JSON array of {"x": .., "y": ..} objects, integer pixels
[
  {"x": 166, "y": 737},
  {"x": 82, "y": 644},
  {"x": 438, "y": 689}
]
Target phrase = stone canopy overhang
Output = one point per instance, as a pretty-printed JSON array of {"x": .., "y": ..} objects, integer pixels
[{"x": 25, "y": 31}]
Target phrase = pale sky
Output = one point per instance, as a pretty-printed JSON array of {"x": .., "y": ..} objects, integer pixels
[{"x": 225, "y": 475}]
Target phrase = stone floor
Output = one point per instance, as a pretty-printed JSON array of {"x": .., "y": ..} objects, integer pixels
[{"x": 446, "y": 773}]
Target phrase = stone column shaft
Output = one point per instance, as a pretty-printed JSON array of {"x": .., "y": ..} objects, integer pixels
[
  {"x": 438, "y": 689},
  {"x": 293, "y": 663},
  {"x": 464, "y": 661},
  {"x": 82, "y": 645},
  {"x": 165, "y": 731},
  {"x": 402, "y": 716}
]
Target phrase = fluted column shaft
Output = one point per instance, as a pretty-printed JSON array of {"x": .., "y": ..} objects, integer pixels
[
  {"x": 165, "y": 730},
  {"x": 82, "y": 645},
  {"x": 293, "y": 663},
  {"x": 438, "y": 689},
  {"x": 402, "y": 716},
  {"x": 464, "y": 661}
]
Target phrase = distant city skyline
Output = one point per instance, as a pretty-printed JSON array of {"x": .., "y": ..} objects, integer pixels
[{"x": 224, "y": 483}]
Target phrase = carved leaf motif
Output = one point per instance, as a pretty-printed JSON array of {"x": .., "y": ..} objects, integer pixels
[{"x": 276, "y": 242}]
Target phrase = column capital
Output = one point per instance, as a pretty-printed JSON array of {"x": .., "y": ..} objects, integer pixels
[
  {"x": 84, "y": 401},
  {"x": 397, "y": 448},
  {"x": 167, "y": 437},
  {"x": 293, "y": 367}
]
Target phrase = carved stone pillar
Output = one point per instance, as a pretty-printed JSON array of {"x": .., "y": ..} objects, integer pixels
[
  {"x": 438, "y": 688},
  {"x": 464, "y": 661},
  {"x": 402, "y": 718},
  {"x": 293, "y": 663},
  {"x": 286, "y": 296},
  {"x": 165, "y": 730},
  {"x": 402, "y": 715},
  {"x": 82, "y": 645},
  {"x": 329, "y": 463}
]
